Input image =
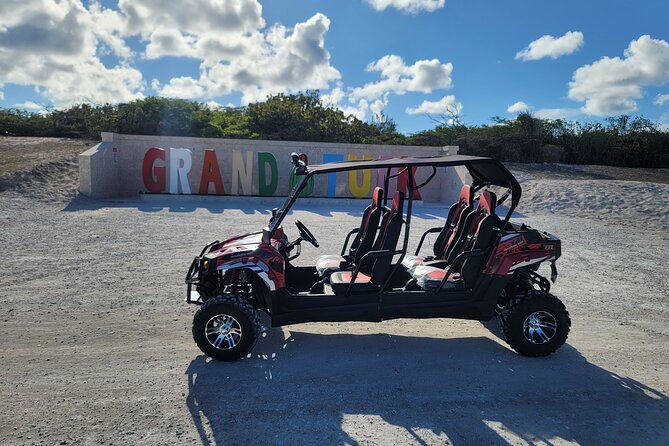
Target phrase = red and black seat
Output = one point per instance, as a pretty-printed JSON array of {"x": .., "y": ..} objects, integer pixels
[
  {"x": 448, "y": 233},
  {"x": 380, "y": 257},
  {"x": 362, "y": 242},
  {"x": 483, "y": 225}
]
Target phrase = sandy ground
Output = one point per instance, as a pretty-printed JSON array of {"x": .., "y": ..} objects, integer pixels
[{"x": 96, "y": 345}]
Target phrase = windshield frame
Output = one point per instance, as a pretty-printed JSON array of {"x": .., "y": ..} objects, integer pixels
[{"x": 288, "y": 203}]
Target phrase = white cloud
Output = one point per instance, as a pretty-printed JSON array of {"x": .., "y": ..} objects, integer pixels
[
  {"x": 558, "y": 113},
  {"x": 612, "y": 85},
  {"x": 424, "y": 76},
  {"x": 30, "y": 105},
  {"x": 663, "y": 121},
  {"x": 660, "y": 99},
  {"x": 237, "y": 53},
  {"x": 54, "y": 46},
  {"x": 446, "y": 105},
  {"x": 169, "y": 42},
  {"x": 518, "y": 107},
  {"x": 213, "y": 105},
  {"x": 282, "y": 61},
  {"x": 2, "y": 96},
  {"x": 184, "y": 87},
  {"x": 411, "y": 6},
  {"x": 553, "y": 47},
  {"x": 378, "y": 106}
]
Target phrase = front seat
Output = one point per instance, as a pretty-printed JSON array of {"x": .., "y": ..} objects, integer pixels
[
  {"x": 386, "y": 241},
  {"x": 361, "y": 244}
]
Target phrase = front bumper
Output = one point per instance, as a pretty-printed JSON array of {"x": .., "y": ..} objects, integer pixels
[{"x": 194, "y": 275}]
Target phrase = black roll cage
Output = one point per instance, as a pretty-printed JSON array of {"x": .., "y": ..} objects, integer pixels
[{"x": 485, "y": 172}]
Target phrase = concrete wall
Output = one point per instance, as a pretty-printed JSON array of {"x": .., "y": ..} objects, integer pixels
[{"x": 126, "y": 165}]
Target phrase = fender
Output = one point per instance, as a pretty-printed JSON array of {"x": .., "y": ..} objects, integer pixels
[
  {"x": 513, "y": 252},
  {"x": 263, "y": 259}
]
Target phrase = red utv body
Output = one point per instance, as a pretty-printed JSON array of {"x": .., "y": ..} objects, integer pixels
[{"x": 481, "y": 265}]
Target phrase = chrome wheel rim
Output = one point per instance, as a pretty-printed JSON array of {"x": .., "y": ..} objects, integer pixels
[
  {"x": 223, "y": 332},
  {"x": 539, "y": 327}
]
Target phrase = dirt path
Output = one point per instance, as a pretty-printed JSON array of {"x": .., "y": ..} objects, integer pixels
[{"x": 96, "y": 343}]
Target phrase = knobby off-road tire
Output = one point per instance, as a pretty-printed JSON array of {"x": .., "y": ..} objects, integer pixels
[
  {"x": 535, "y": 324},
  {"x": 226, "y": 327}
]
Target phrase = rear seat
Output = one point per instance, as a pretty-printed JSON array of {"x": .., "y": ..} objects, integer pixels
[
  {"x": 448, "y": 234},
  {"x": 361, "y": 244},
  {"x": 389, "y": 234},
  {"x": 483, "y": 226}
]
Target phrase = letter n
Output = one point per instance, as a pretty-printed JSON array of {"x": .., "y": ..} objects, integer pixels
[{"x": 242, "y": 173}]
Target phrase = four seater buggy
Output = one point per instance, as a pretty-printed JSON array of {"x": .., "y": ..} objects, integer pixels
[{"x": 480, "y": 265}]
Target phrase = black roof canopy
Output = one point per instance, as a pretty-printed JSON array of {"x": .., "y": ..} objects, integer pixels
[{"x": 482, "y": 169}]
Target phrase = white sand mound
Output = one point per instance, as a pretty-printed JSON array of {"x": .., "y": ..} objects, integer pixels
[
  {"x": 620, "y": 202},
  {"x": 54, "y": 181}
]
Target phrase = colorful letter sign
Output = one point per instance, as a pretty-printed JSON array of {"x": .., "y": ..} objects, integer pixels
[{"x": 254, "y": 173}]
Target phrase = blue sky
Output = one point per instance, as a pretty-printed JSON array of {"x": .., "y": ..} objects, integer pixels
[{"x": 410, "y": 59}]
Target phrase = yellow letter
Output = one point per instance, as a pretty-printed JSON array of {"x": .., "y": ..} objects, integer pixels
[{"x": 356, "y": 190}]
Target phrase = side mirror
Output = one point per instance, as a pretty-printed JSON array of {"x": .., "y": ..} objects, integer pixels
[
  {"x": 275, "y": 212},
  {"x": 266, "y": 237}
]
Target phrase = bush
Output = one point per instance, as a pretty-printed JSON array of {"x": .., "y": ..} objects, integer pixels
[{"x": 620, "y": 141}]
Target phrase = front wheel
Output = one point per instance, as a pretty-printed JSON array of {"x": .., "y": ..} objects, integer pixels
[
  {"x": 535, "y": 325},
  {"x": 226, "y": 327}
]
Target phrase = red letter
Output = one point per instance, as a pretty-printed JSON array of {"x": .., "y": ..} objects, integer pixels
[
  {"x": 211, "y": 173},
  {"x": 154, "y": 176}
]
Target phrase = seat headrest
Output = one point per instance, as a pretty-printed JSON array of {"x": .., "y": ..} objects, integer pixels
[
  {"x": 377, "y": 196},
  {"x": 398, "y": 202},
  {"x": 466, "y": 194},
  {"x": 487, "y": 202}
]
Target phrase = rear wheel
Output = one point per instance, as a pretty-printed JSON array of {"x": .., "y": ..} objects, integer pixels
[
  {"x": 226, "y": 327},
  {"x": 536, "y": 324}
]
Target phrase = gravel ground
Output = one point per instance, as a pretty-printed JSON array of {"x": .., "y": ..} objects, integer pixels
[{"x": 97, "y": 346}]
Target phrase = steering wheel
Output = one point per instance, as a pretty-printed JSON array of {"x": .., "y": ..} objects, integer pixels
[{"x": 306, "y": 233}]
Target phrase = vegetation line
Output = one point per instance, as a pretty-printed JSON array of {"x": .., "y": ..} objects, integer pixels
[{"x": 620, "y": 141}]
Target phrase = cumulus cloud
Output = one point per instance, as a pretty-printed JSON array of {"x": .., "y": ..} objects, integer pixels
[
  {"x": 446, "y": 105},
  {"x": 54, "y": 46},
  {"x": 184, "y": 87},
  {"x": 2, "y": 96},
  {"x": 410, "y": 6},
  {"x": 424, "y": 76},
  {"x": 30, "y": 105},
  {"x": 558, "y": 113},
  {"x": 660, "y": 99},
  {"x": 237, "y": 53},
  {"x": 553, "y": 47},
  {"x": 58, "y": 46},
  {"x": 518, "y": 107},
  {"x": 612, "y": 85},
  {"x": 286, "y": 60}
]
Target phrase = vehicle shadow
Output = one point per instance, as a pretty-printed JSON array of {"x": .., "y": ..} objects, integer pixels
[
  {"x": 299, "y": 387},
  {"x": 248, "y": 205},
  {"x": 174, "y": 204}
]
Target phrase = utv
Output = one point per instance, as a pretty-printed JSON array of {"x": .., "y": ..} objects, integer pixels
[{"x": 480, "y": 265}]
